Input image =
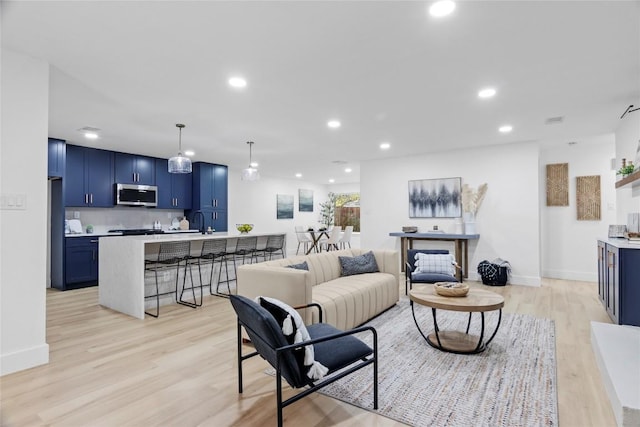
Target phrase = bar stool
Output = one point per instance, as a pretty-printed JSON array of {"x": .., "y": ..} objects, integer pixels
[
  {"x": 212, "y": 250},
  {"x": 274, "y": 244},
  {"x": 170, "y": 255},
  {"x": 245, "y": 247}
]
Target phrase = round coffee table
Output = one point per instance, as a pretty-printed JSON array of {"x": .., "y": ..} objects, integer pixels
[{"x": 476, "y": 301}]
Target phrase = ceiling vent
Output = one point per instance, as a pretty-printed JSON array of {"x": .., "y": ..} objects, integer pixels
[
  {"x": 554, "y": 120},
  {"x": 88, "y": 129}
]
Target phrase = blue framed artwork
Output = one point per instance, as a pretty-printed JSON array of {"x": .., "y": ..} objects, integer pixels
[
  {"x": 435, "y": 198},
  {"x": 305, "y": 200},
  {"x": 284, "y": 206}
]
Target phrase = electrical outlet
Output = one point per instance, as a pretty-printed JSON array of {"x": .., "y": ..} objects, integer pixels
[
  {"x": 76, "y": 215},
  {"x": 169, "y": 215}
]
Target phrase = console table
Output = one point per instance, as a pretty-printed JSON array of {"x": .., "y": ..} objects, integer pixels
[{"x": 461, "y": 251}]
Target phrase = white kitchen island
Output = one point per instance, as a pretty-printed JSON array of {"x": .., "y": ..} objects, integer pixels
[{"x": 121, "y": 279}]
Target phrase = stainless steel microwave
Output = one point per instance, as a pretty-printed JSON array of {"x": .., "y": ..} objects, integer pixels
[{"x": 136, "y": 195}]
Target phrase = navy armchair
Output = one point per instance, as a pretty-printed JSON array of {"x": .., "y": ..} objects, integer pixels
[
  {"x": 333, "y": 348},
  {"x": 412, "y": 277}
]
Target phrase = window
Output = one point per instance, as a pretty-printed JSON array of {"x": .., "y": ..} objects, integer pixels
[{"x": 347, "y": 210}]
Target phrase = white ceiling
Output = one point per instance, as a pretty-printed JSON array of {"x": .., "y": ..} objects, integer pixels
[{"x": 387, "y": 70}]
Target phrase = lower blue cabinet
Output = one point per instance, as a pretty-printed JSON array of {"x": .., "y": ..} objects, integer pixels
[{"x": 81, "y": 262}]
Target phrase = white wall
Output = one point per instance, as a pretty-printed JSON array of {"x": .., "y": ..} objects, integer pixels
[
  {"x": 255, "y": 203},
  {"x": 627, "y": 141},
  {"x": 568, "y": 245},
  {"x": 23, "y": 233},
  {"x": 508, "y": 220}
]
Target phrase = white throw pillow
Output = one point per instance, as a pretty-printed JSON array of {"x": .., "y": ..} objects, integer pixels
[
  {"x": 293, "y": 324},
  {"x": 435, "y": 263}
]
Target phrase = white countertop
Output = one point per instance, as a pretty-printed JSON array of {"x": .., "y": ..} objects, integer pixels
[
  {"x": 620, "y": 242},
  {"x": 194, "y": 236},
  {"x": 103, "y": 234}
]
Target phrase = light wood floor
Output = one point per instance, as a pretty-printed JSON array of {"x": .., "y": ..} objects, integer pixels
[{"x": 108, "y": 369}]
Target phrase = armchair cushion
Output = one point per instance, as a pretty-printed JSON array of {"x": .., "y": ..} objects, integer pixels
[
  {"x": 340, "y": 352},
  {"x": 365, "y": 263},
  {"x": 435, "y": 263}
]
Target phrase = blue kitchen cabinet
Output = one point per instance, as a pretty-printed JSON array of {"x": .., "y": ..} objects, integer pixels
[
  {"x": 56, "y": 158},
  {"x": 88, "y": 179},
  {"x": 618, "y": 277},
  {"x": 174, "y": 189},
  {"x": 210, "y": 194},
  {"x": 133, "y": 169},
  {"x": 81, "y": 262}
]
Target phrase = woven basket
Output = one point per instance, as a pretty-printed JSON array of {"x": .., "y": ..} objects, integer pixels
[{"x": 451, "y": 289}]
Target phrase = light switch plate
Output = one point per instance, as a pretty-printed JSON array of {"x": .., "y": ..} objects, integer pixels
[{"x": 16, "y": 202}]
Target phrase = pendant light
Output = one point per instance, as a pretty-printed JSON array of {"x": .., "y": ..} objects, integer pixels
[
  {"x": 250, "y": 173},
  {"x": 180, "y": 163}
]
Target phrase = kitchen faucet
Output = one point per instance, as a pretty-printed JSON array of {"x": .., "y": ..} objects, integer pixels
[{"x": 200, "y": 215}]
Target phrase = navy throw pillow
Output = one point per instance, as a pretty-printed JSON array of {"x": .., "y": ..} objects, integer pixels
[
  {"x": 302, "y": 266},
  {"x": 365, "y": 263}
]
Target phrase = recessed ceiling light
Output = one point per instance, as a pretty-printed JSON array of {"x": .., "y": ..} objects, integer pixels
[
  {"x": 331, "y": 180},
  {"x": 237, "y": 82},
  {"x": 298, "y": 175},
  {"x": 505, "y": 128},
  {"x": 91, "y": 135},
  {"x": 442, "y": 8},
  {"x": 486, "y": 92},
  {"x": 385, "y": 146},
  {"x": 348, "y": 170},
  {"x": 189, "y": 153},
  {"x": 334, "y": 124}
]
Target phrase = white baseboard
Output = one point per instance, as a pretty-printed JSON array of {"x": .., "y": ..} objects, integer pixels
[
  {"x": 513, "y": 280},
  {"x": 571, "y": 275},
  {"x": 24, "y": 359}
]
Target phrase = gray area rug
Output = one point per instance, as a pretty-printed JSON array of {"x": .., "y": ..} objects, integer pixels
[{"x": 512, "y": 383}]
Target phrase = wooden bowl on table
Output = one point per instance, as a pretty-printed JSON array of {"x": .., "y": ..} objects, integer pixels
[{"x": 451, "y": 289}]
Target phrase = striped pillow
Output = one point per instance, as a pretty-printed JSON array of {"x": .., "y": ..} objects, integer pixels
[{"x": 435, "y": 263}]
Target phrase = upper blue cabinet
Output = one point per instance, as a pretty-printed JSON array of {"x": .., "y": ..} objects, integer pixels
[
  {"x": 88, "y": 179},
  {"x": 210, "y": 194},
  {"x": 174, "y": 189},
  {"x": 209, "y": 186},
  {"x": 132, "y": 169},
  {"x": 56, "y": 159}
]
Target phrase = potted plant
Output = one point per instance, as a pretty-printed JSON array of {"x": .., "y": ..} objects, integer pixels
[
  {"x": 626, "y": 170},
  {"x": 471, "y": 201},
  {"x": 327, "y": 211}
]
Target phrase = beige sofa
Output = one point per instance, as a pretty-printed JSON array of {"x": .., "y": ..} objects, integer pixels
[{"x": 346, "y": 301}]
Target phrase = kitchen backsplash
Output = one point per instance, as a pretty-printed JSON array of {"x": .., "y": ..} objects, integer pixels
[{"x": 120, "y": 217}]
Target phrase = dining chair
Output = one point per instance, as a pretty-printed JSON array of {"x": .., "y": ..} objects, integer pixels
[
  {"x": 303, "y": 239},
  {"x": 334, "y": 239},
  {"x": 346, "y": 237}
]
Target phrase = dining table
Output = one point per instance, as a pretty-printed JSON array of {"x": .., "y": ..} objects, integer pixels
[{"x": 316, "y": 236}]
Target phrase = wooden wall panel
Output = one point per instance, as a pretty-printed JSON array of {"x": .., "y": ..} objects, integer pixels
[
  {"x": 588, "y": 197},
  {"x": 558, "y": 184}
]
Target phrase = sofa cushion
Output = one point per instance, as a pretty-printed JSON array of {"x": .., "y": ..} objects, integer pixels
[
  {"x": 302, "y": 266},
  {"x": 365, "y": 263},
  {"x": 435, "y": 263}
]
